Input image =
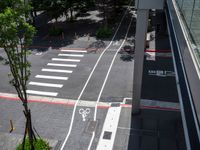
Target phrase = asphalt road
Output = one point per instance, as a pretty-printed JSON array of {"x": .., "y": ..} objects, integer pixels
[
  {"x": 70, "y": 85},
  {"x": 57, "y": 121}
]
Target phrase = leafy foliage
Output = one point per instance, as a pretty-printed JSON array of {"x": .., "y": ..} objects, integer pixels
[
  {"x": 15, "y": 36},
  {"x": 14, "y": 31},
  {"x": 104, "y": 32},
  {"x": 54, "y": 8},
  {"x": 55, "y": 31},
  {"x": 39, "y": 144}
]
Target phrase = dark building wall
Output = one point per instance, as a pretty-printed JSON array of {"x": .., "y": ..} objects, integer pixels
[{"x": 186, "y": 71}]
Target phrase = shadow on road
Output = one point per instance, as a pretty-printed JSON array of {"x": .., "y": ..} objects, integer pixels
[{"x": 156, "y": 130}]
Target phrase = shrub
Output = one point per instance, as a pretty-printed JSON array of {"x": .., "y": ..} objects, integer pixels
[
  {"x": 55, "y": 31},
  {"x": 40, "y": 144},
  {"x": 104, "y": 32}
]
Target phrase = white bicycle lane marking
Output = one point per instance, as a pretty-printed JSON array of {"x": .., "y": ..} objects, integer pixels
[
  {"x": 78, "y": 99},
  {"x": 84, "y": 112},
  {"x": 111, "y": 142}
]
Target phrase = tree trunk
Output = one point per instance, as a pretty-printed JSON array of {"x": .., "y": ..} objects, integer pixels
[
  {"x": 105, "y": 13},
  {"x": 33, "y": 18},
  {"x": 115, "y": 6},
  {"x": 71, "y": 13},
  {"x": 29, "y": 128},
  {"x": 66, "y": 15}
]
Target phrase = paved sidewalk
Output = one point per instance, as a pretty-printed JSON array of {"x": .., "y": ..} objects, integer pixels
[
  {"x": 153, "y": 129},
  {"x": 9, "y": 141}
]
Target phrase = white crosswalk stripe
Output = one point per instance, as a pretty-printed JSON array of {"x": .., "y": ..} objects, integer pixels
[
  {"x": 71, "y": 55},
  {"x": 60, "y": 59},
  {"x": 46, "y": 84},
  {"x": 51, "y": 77},
  {"x": 57, "y": 70},
  {"x": 41, "y": 93},
  {"x": 75, "y": 51},
  {"x": 65, "y": 58},
  {"x": 61, "y": 65}
]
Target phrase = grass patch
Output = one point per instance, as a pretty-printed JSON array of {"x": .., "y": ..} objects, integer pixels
[
  {"x": 40, "y": 144},
  {"x": 104, "y": 32}
]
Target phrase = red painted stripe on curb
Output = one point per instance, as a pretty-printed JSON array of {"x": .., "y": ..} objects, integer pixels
[
  {"x": 38, "y": 101},
  {"x": 47, "y": 102},
  {"x": 158, "y": 51},
  {"x": 125, "y": 105},
  {"x": 71, "y": 103},
  {"x": 99, "y": 106},
  {"x": 9, "y": 98}
]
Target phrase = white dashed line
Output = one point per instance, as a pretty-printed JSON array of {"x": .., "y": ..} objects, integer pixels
[
  {"x": 75, "y": 51},
  {"x": 51, "y": 77},
  {"x": 71, "y": 55},
  {"x": 46, "y": 84},
  {"x": 61, "y": 65},
  {"x": 60, "y": 59},
  {"x": 56, "y": 70},
  {"x": 41, "y": 93}
]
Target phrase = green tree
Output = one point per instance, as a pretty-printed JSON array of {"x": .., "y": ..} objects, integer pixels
[
  {"x": 15, "y": 36},
  {"x": 36, "y": 6},
  {"x": 78, "y": 5},
  {"x": 54, "y": 8},
  {"x": 69, "y": 5}
]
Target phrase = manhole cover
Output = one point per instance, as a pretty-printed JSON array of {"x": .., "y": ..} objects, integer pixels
[
  {"x": 91, "y": 126},
  {"x": 107, "y": 135}
]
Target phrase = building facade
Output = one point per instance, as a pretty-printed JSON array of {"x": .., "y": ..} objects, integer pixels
[{"x": 183, "y": 24}]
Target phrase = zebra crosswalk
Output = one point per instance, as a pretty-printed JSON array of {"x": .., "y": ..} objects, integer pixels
[
  {"x": 55, "y": 72},
  {"x": 61, "y": 59},
  {"x": 62, "y": 65},
  {"x": 51, "y": 77}
]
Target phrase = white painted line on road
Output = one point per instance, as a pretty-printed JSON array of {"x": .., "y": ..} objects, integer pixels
[
  {"x": 84, "y": 113},
  {"x": 71, "y": 55},
  {"x": 110, "y": 126},
  {"x": 83, "y": 89},
  {"x": 161, "y": 73},
  {"x": 151, "y": 56},
  {"x": 61, "y": 65},
  {"x": 51, "y": 77},
  {"x": 41, "y": 93},
  {"x": 46, "y": 84},
  {"x": 60, "y": 59},
  {"x": 57, "y": 70},
  {"x": 105, "y": 80},
  {"x": 75, "y": 51}
]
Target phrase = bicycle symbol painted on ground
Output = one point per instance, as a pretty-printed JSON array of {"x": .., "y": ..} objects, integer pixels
[{"x": 84, "y": 113}]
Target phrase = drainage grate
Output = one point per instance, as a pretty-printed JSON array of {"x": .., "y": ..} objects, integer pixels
[
  {"x": 107, "y": 135},
  {"x": 91, "y": 126}
]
